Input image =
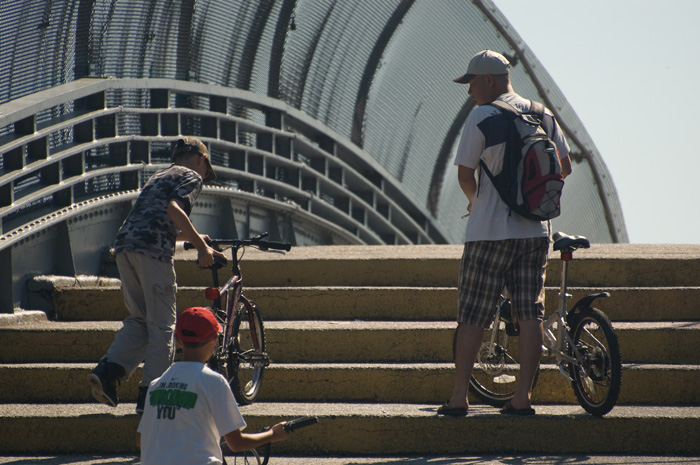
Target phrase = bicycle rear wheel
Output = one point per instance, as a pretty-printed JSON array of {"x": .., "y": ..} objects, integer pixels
[
  {"x": 496, "y": 371},
  {"x": 247, "y": 357},
  {"x": 598, "y": 377}
]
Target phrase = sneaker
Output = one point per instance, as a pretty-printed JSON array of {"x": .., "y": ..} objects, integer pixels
[
  {"x": 103, "y": 382},
  {"x": 141, "y": 399}
]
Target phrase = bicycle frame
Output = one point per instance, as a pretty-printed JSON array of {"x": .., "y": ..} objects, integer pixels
[
  {"x": 557, "y": 343},
  {"x": 233, "y": 290},
  {"x": 556, "y": 334}
]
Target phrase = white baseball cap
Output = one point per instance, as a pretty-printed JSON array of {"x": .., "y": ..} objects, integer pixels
[{"x": 484, "y": 62}]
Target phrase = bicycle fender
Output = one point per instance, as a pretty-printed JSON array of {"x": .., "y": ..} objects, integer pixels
[{"x": 585, "y": 302}]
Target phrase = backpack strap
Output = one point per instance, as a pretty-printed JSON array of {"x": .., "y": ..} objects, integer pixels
[
  {"x": 511, "y": 113},
  {"x": 536, "y": 109},
  {"x": 485, "y": 169},
  {"x": 506, "y": 108}
]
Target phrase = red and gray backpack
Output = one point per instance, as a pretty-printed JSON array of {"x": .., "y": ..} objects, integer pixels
[{"x": 530, "y": 182}]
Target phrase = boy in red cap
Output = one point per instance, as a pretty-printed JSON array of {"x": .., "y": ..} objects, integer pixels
[{"x": 190, "y": 407}]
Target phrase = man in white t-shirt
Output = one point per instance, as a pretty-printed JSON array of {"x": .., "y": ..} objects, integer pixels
[
  {"x": 190, "y": 407},
  {"x": 502, "y": 248}
]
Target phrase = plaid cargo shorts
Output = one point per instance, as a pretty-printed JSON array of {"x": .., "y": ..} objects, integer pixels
[{"x": 489, "y": 266}]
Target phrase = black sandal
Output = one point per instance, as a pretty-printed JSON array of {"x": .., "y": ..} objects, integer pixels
[
  {"x": 452, "y": 411},
  {"x": 508, "y": 409}
]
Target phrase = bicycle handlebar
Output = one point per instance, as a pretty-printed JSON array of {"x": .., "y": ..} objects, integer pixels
[
  {"x": 257, "y": 242},
  {"x": 286, "y": 246},
  {"x": 300, "y": 422}
]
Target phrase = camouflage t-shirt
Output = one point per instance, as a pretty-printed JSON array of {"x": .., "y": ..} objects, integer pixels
[{"x": 148, "y": 229}]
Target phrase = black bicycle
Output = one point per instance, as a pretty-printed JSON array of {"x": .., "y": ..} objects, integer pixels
[{"x": 241, "y": 356}]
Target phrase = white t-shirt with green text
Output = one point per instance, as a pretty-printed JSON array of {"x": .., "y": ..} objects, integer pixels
[{"x": 186, "y": 413}]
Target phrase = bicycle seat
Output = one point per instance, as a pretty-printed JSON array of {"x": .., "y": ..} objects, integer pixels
[{"x": 564, "y": 241}]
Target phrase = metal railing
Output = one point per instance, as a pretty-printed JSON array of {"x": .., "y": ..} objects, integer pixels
[{"x": 72, "y": 158}]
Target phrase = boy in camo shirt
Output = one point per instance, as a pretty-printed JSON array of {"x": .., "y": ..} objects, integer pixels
[{"x": 144, "y": 249}]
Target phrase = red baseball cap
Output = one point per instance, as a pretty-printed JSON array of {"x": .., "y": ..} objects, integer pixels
[{"x": 196, "y": 324}]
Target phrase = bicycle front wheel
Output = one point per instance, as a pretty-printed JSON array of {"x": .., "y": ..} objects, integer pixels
[
  {"x": 496, "y": 371},
  {"x": 258, "y": 456},
  {"x": 597, "y": 376},
  {"x": 247, "y": 357}
]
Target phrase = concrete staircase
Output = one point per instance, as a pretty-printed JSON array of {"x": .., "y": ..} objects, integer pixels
[{"x": 361, "y": 338}]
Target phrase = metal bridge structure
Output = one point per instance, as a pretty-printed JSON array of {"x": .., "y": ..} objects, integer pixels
[
  {"x": 330, "y": 122},
  {"x": 62, "y": 197}
]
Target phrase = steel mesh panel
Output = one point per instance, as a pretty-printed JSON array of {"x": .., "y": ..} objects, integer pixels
[
  {"x": 351, "y": 32},
  {"x": 259, "y": 76},
  {"x": 407, "y": 105},
  {"x": 131, "y": 38},
  {"x": 37, "y": 46},
  {"x": 99, "y": 185},
  {"x": 222, "y": 57},
  {"x": 97, "y": 158},
  {"x": 128, "y": 123},
  {"x": 161, "y": 152},
  {"x": 325, "y": 65}
]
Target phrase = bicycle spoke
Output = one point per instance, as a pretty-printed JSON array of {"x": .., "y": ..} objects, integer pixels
[
  {"x": 598, "y": 345},
  {"x": 248, "y": 457},
  {"x": 590, "y": 385}
]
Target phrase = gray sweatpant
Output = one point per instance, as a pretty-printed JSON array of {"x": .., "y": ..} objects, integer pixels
[{"x": 149, "y": 290}]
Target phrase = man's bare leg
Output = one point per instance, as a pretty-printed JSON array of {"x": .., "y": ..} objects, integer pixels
[
  {"x": 466, "y": 349},
  {"x": 530, "y": 347}
]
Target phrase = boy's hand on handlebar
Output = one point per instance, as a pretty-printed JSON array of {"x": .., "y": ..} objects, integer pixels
[
  {"x": 205, "y": 257},
  {"x": 206, "y": 254},
  {"x": 279, "y": 433}
]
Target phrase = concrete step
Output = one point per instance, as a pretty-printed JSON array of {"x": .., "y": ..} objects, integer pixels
[
  {"x": 608, "y": 265},
  {"x": 452, "y": 459},
  {"x": 377, "y": 428},
  {"x": 352, "y": 382},
  {"x": 338, "y": 341},
  {"x": 328, "y": 318},
  {"x": 84, "y": 299}
]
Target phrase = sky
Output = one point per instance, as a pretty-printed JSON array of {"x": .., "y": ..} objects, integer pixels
[{"x": 622, "y": 65}]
